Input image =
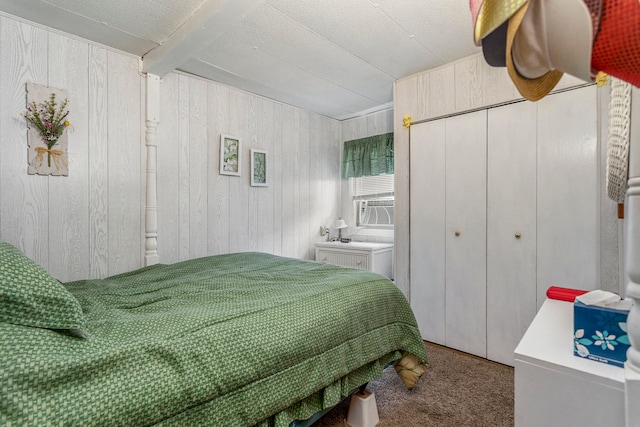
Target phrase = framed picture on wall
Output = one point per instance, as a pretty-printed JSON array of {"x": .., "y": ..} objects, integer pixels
[
  {"x": 258, "y": 168},
  {"x": 230, "y": 155}
]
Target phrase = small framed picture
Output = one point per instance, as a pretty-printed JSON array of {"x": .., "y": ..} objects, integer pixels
[
  {"x": 258, "y": 168},
  {"x": 230, "y": 155}
]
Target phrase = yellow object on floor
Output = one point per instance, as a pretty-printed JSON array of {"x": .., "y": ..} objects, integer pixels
[{"x": 410, "y": 369}]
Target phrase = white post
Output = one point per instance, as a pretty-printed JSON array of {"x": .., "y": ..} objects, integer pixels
[
  {"x": 151, "y": 138},
  {"x": 632, "y": 267}
]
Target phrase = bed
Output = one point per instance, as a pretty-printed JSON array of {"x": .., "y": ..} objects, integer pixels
[{"x": 229, "y": 340}]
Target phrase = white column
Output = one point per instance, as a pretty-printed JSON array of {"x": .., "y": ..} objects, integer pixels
[
  {"x": 632, "y": 267},
  {"x": 151, "y": 138}
]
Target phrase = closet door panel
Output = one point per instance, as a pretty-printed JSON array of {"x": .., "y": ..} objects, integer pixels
[
  {"x": 568, "y": 226},
  {"x": 466, "y": 162},
  {"x": 511, "y": 227},
  {"x": 427, "y": 215}
]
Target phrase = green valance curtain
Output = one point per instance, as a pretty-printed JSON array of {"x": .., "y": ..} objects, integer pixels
[{"x": 368, "y": 156}]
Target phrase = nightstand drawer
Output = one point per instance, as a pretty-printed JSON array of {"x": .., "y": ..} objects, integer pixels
[
  {"x": 376, "y": 257},
  {"x": 346, "y": 259}
]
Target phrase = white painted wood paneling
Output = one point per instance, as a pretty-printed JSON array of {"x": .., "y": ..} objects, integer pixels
[
  {"x": 23, "y": 198},
  {"x": 279, "y": 218},
  {"x": 468, "y": 83},
  {"x": 496, "y": 87},
  {"x": 168, "y": 159},
  {"x": 263, "y": 206},
  {"x": 423, "y": 109},
  {"x": 442, "y": 91},
  {"x": 511, "y": 227},
  {"x": 568, "y": 195},
  {"x": 315, "y": 181},
  {"x": 466, "y": 232},
  {"x": 332, "y": 167},
  {"x": 124, "y": 167},
  {"x": 428, "y": 268},
  {"x": 219, "y": 197},
  {"x": 278, "y": 166},
  {"x": 88, "y": 224},
  {"x": 91, "y": 224},
  {"x": 198, "y": 168},
  {"x": 251, "y": 138},
  {"x": 184, "y": 192},
  {"x": 239, "y": 186},
  {"x": 405, "y": 96},
  {"x": 98, "y": 175},
  {"x": 288, "y": 181},
  {"x": 303, "y": 251},
  {"x": 69, "y": 197}
]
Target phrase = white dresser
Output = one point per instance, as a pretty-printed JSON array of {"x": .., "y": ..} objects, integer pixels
[
  {"x": 376, "y": 257},
  {"x": 555, "y": 388}
]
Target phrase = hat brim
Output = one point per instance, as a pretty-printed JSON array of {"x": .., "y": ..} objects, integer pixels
[{"x": 531, "y": 89}]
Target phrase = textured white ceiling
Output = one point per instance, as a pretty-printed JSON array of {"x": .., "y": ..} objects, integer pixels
[{"x": 334, "y": 57}]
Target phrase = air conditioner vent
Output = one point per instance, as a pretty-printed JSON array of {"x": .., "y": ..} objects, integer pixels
[{"x": 375, "y": 212}]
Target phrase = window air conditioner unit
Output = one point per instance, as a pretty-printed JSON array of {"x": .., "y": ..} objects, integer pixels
[{"x": 375, "y": 212}]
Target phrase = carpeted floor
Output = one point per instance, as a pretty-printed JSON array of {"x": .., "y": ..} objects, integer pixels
[{"x": 458, "y": 389}]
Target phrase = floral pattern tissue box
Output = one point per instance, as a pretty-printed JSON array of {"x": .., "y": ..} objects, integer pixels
[{"x": 600, "y": 333}]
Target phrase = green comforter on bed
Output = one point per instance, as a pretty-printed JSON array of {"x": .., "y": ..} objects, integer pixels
[{"x": 230, "y": 340}]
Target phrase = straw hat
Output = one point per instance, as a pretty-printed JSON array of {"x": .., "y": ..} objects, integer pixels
[{"x": 545, "y": 39}]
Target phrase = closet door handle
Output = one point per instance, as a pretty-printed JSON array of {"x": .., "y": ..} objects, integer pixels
[
  {"x": 457, "y": 233},
  {"x": 518, "y": 235}
]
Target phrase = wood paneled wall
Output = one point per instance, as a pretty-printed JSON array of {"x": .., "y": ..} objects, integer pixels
[
  {"x": 91, "y": 223},
  {"x": 462, "y": 86},
  {"x": 201, "y": 212},
  {"x": 88, "y": 224}
]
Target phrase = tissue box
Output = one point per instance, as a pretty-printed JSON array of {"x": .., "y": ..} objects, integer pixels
[{"x": 600, "y": 333}]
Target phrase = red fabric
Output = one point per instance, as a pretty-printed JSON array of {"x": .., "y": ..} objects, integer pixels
[
  {"x": 617, "y": 46},
  {"x": 564, "y": 294}
]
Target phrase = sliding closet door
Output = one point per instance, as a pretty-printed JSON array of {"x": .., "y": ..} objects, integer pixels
[
  {"x": 427, "y": 225},
  {"x": 568, "y": 225},
  {"x": 511, "y": 227},
  {"x": 466, "y": 232}
]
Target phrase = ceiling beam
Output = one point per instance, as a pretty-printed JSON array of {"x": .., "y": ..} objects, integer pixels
[{"x": 211, "y": 21}]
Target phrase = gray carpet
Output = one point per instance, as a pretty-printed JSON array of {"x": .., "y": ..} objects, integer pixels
[{"x": 457, "y": 390}]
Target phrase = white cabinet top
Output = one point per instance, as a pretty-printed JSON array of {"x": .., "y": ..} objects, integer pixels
[
  {"x": 368, "y": 246},
  {"x": 549, "y": 342}
]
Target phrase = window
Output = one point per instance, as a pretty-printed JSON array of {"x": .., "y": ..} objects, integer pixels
[
  {"x": 368, "y": 164},
  {"x": 373, "y": 197}
]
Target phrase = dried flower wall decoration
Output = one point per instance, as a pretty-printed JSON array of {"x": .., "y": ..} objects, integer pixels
[{"x": 48, "y": 122}]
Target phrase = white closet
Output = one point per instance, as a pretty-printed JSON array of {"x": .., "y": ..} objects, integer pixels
[
  {"x": 503, "y": 204},
  {"x": 511, "y": 226}
]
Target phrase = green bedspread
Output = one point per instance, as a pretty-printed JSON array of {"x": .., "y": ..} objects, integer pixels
[{"x": 231, "y": 340}]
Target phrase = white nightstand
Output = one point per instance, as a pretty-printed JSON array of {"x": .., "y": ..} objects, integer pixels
[
  {"x": 376, "y": 257},
  {"x": 555, "y": 388}
]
